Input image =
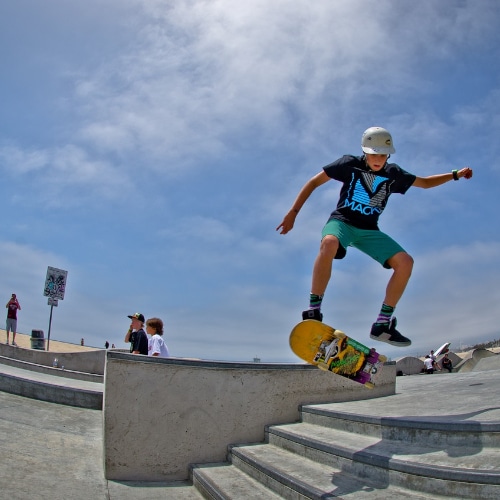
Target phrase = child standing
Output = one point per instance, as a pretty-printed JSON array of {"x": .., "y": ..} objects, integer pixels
[
  {"x": 367, "y": 182},
  {"x": 157, "y": 346}
]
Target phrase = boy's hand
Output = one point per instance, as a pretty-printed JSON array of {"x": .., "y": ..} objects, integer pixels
[
  {"x": 288, "y": 222},
  {"x": 465, "y": 172}
]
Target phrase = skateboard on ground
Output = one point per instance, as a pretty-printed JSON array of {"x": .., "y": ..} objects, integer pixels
[{"x": 332, "y": 350}]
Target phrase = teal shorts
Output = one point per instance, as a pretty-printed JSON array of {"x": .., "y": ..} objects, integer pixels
[{"x": 375, "y": 243}]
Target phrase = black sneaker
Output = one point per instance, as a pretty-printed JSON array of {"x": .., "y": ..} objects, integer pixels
[
  {"x": 386, "y": 332},
  {"x": 312, "y": 314}
]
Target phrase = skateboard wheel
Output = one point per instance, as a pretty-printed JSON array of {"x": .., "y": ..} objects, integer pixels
[
  {"x": 323, "y": 366},
  {"x": 369, "y": 385},
  {"x": 339, "y": 334},
  {"x": 382, "y": 358}
]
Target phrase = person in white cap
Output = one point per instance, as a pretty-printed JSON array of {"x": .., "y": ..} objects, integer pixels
[{"x": 367, "y": 182}]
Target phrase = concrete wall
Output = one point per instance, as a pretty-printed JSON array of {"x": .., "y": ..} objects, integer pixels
[
  {"x": 87, "y": 361},
  {"x": 160, "y": 415},
  {"x": 409, "y": 365}
]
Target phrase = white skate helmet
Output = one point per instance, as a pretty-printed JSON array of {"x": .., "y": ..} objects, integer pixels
[{"x": 378, "y": 141}]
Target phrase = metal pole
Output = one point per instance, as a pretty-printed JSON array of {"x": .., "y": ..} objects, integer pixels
[{"x": 50, "y": 324}]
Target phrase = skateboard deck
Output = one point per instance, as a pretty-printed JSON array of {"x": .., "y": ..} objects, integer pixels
[{"x": 332, "y": 350}]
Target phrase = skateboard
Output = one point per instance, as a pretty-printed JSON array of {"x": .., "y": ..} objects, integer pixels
[{"x": 332, "y": 350}]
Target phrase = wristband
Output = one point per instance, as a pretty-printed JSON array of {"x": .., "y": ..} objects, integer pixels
[{"x": 455, "y": 175}]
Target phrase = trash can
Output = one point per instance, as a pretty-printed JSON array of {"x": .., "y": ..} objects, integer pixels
[{"x": 37, "y": 340}]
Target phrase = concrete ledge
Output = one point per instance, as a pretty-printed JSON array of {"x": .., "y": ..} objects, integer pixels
[
  {"x": 51, "y": 388},
  {"x": 49, "y": 370},
  {"x": 161, "y": 415},
  {"x": 87, "y": 361},
  {"x": 472, "y": 359}
]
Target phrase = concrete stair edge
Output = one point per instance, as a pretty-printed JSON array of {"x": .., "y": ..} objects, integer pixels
[
  {"x": 315, "y": 486},
  {"x": 222, "y": 481},
  {"x": 434, "y": 424},
  {"x": 387, "y": 461}
]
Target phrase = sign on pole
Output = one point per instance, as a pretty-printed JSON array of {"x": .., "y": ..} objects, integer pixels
[
  {"x": 55, "y": 283},
  {"x": 55, "y": 286}
]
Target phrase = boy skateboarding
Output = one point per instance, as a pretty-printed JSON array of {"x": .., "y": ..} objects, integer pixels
[{"x": 367, "y": 182}]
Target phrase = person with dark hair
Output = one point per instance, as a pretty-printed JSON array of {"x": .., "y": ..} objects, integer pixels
[
  {"x": 429, "y": 365},
  {"x": 446, "y": 363},
  {"x": 11, "y": 324},
  {"x": 157, "y": 346}
]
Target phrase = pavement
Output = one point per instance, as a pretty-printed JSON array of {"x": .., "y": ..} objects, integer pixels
[
  {"x": 24, "y": 340},
  {"x": 51, "y": 451}
]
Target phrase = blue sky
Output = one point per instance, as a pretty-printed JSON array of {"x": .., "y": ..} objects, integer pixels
[{"x": 151, "y": 148}]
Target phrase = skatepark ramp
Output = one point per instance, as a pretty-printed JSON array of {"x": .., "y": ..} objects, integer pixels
[
  {"x": 487, "y": 363},
  {"x": 472, "y": 358},
  {"x": 409, "y": 365}
]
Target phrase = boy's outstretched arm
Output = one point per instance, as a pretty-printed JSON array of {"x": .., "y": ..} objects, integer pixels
[
  {"x": 437, "y": 180},
  {"x": 289, "y": 219}
]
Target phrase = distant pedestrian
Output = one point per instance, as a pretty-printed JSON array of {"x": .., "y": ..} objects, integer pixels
[
  {"x": 157, "y": 346},
  {"x": 136, "y": 335},
  {"x": 11, "y": 324},
  {"x": 112, "y": 346},
  {"x": 106, "y": 344},
  {"x": 434, "y": 361},
  {"x": 446, "y": 363},
  {"x": 82, "y": 341},
  {"x": 429, "y": 365}
]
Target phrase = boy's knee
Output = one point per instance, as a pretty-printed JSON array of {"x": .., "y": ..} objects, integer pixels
[
  {"x": 329, "y": 246},
  {"x": 401, "y": 262}
]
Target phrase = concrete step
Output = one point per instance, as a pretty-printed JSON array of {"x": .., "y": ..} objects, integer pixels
[
  {"x": 295, "y": 476},
  {"x": 388, "y": 448},
  {"x": 433, "y": 431},
  {"x": 468, "y": 471},
  {"x": 51, "y": 388},
  {"x": 224, "y": 481}
]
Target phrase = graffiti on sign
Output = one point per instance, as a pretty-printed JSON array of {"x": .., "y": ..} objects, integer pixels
[{"x": 55, "y": 283}]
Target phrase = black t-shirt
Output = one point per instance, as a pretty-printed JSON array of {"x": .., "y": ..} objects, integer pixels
[
  {"x": 364, "y": 193},
  {"x": 139, "y": 342}
]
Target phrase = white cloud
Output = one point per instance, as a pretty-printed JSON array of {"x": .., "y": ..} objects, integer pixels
[
  {"x": 55, "y": 170},
  {"x": 199, "y": 121}
]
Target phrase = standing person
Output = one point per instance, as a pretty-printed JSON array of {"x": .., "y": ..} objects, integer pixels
[
  {"x": 106, "y": 345},
  {"x": 157, "y": 346},
  {"x": 367, "y": 182},
  {"x": 136, "y": 335},
  {"x": 11, "y": 324}
]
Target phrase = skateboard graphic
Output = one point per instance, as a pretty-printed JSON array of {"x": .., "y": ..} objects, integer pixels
[{"x": 332, "y": 350}]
